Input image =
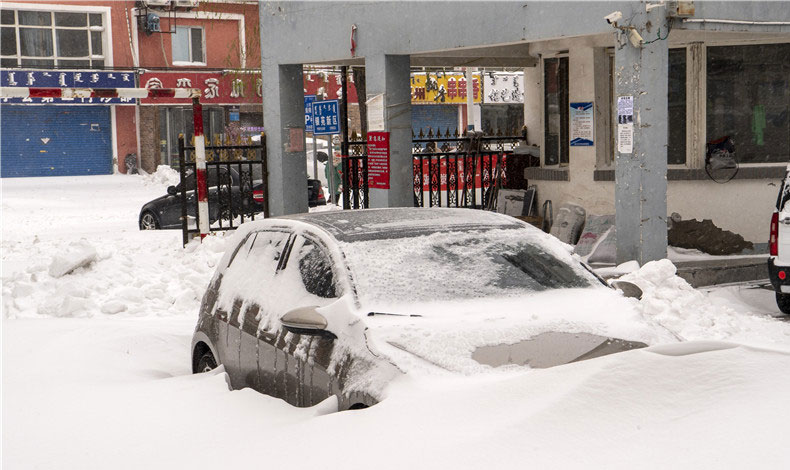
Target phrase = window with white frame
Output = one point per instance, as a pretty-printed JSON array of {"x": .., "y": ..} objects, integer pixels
[
  {"x": 36, "y": 38},
  {"x": 188, "y": 45}
]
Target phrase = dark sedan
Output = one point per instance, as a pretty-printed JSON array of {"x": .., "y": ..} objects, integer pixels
[{"x": 226, "y": 200}]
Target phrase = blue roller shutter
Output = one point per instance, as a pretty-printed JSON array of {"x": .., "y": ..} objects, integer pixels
[
  {"x": 438, "y": 116},
  {"x": 55, "y": 141}
]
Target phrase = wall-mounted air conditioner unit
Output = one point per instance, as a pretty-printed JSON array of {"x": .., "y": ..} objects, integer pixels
[
  {"x": 185, "y": 3},
  {"x": 157, "y": 3}
]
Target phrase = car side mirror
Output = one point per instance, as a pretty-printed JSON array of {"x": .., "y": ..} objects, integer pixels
[
  {"x": 171, "y": 190},
  {"x": 629, "y": 289},
  {"x": 306, "y": 321}
]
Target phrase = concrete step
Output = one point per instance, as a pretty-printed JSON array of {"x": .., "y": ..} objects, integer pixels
[{"x": 710, "y": 272}]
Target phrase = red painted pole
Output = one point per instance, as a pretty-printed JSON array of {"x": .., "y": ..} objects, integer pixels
[{"x": 200, "y": 168}]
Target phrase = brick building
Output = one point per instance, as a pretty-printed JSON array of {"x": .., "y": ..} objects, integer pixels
[{"x": 210, "y": 44}]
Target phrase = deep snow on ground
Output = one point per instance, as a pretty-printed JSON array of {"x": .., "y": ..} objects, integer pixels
[{"x": 96, "y": 368}]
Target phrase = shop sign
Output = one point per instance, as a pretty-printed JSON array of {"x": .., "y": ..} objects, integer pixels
[
  {"x": 216, "y": 88},
  {"x": 308, "y": 113},
  {"x": 326, "y": 117},
  {"x": 328, "y": 85},
  {"x": 503, "y": 88},
  {"x": 443, "y": 88},
  {"x": 379, "y": 160},
  {"x": 581, "y": 118},
  {"x": 67, "y": 79}
]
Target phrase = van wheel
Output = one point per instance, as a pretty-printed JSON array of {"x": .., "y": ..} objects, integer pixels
[{"x": 783, "y": 301}]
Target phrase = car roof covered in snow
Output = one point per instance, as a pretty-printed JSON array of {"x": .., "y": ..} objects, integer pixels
[{"x": 375, "y": 224}]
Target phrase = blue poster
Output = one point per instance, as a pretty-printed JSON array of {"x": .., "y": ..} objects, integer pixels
[
  {"x": 326, "y": 117},
  {"x": 308, "y": 112},
  {"x": 582, "y": 129},
  {"x": 67, "y": 79}
]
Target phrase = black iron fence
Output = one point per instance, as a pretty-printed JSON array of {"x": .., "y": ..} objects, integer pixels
[
  {"x": 355, "y": 176},
  {"x": 450, "y": 169},
  {"x": 236, "y": 176},
  {"x": 461, "y": 171}
]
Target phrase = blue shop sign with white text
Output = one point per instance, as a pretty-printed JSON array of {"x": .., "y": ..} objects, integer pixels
[
  {"x": 67, "y": 79},
  {"x": 326, "y": 117},
  {"x": 308, "y": 112}
]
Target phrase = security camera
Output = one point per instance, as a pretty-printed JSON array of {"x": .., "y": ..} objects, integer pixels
[{"x": 614, "y": 17}]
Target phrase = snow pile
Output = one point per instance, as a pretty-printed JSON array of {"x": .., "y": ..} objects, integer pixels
[
  {"x": 82, "y": 255},
  {"x": 694, "y": 315},
  {"x": 164, "y": 175},
  {"x": 716, "y": 408},
  {"x": 67, "y": 252}
]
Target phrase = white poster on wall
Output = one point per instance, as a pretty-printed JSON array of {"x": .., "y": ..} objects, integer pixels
[
  {"x": 625, "y": 124},
  {"x": 503, "y": 88}
]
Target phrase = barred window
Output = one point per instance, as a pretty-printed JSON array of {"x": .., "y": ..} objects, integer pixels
[{"x": 51, "y": 39}]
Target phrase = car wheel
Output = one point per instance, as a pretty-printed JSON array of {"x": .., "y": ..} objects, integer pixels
[
  {"x": 783, "y": 301},
  {"x": 148, "y": 221},
  {"x": 206, "y": 362}
]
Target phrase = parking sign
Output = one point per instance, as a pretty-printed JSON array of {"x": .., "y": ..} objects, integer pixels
[
  {"x": 308, "y": 112},
  {"x": 326, "y": 117}
]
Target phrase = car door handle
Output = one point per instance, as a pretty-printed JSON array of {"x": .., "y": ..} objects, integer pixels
[{"x": 785, "y": 221}]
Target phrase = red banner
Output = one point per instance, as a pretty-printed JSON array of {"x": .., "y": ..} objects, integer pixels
[
  {"x": 484, "y": 172},
  {"x": 379, "y": 160},
  {"x": 215, "y": 87}
]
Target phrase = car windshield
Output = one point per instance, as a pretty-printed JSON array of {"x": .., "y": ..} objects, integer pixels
[{"x": 461, "y": 265}]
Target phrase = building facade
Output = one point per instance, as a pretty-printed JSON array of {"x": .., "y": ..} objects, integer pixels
[
  {"x": 207, "y": 44},
  {"x": 625, "y": 101}
]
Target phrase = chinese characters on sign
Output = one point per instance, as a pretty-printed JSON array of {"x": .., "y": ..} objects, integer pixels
[
  {"x": 216, "y": 88},
  {"x": 443, "y": 88},
  {"x": 67, "y": 79},
  {"x": 326, "y": 117},
  {"x": 308, "y": 112},
  {"x": 379, "y": 160},
  {"x": 625, "y": 124},
  {"x": 503, "y": 88},
  {"x": 581, "y": 124}
]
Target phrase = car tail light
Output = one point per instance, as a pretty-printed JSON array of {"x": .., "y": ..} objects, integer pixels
[
  {"x": 320, "y": 192},
  {"x": 257, "y": 196},
  {"x": 774, "y": 239}
]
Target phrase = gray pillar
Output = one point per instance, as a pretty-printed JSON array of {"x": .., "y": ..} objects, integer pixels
[
  {"x": 388, "y": 75},
  {"x": 641, "y": 174},
  {"x": 283, "y": 117}
]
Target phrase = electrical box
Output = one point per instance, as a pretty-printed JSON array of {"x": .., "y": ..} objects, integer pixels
[{"x": 680, "y": 8}]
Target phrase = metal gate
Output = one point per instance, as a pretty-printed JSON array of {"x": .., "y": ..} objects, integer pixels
[
  {"x": 460, "y": 171},
  {"x": 449, "y": 170},
  {"x": 236, "y": 176}
]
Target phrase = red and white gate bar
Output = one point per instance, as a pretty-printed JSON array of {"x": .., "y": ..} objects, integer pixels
[{"x": 197, "y": 116}]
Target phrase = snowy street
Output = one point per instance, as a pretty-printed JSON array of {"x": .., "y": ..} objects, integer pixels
[{"x": 96, "y": 368}]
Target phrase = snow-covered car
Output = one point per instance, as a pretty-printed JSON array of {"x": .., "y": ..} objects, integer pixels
[
  {"x": 779, "y": 246},
  {"x": 225, "y": 198},
  {"x": 308, "y": 306}
]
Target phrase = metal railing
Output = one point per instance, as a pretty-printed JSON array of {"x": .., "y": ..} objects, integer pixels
[
  {"x": 236, "y": 180},
  {"x": 460, "y": 171}
]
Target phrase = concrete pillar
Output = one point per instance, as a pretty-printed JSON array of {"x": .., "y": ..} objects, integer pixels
[
  {"x": 641, "y": 172},
  {"x": 388, "y": 76},
  {"x": 283, "y": 119}
]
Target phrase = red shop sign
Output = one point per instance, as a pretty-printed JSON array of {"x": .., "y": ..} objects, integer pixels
[
  {"x": 216, "y": 88},
  {"x": 379, "y": 160}
]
